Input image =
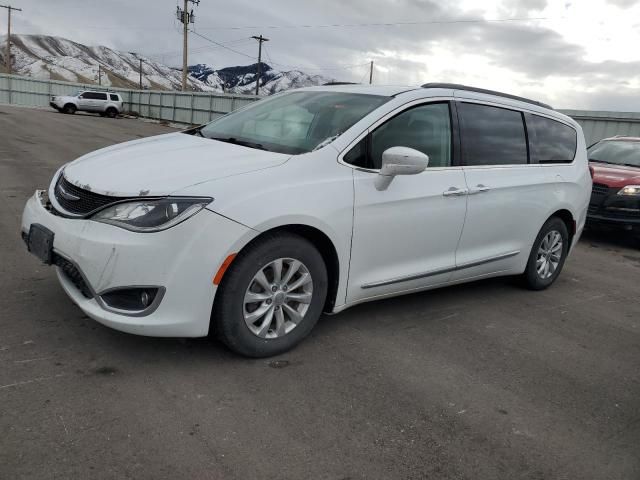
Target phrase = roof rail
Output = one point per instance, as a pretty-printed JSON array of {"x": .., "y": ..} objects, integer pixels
[
  {"x": 339, "y": 83},
  {"x": 457, "y": 86}
]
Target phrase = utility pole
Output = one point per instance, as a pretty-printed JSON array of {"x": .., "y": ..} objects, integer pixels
[
  {"x": 7, "y": 58},
  {"x": 371, "y": 73},
  {"x": 99, "y": 74},
  {"x": 140, "y": 72},
  {"x": 186, "y": 18},
  {"x": 260, "y": 39}
]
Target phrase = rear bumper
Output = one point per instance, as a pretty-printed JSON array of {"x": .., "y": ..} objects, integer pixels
[{"x": 182, "y": 260}]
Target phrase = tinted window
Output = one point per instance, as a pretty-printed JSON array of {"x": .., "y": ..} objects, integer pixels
[
  {"x": 426, "y": 128},
  {"x": 357, "y": 156},
  {"x": 491, "y": 135},
  {"x": 94, "y": 96},
  {"x": 113, "y": 97},
  {"x": 550, "y": 141}
]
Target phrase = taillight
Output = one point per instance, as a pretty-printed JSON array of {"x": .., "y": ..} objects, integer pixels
[{"x": 591, "y": 172}]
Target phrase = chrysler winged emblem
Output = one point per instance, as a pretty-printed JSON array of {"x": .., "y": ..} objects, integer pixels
[{"x": 66, "y": 195}]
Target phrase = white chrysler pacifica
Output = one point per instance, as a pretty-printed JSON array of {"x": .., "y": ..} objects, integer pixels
[{"x": 313, "y": 200}]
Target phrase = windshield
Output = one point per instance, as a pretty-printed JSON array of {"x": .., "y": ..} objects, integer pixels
[
  {"x": 293, "y": 123},
  {"x": 619, "y": 152}
]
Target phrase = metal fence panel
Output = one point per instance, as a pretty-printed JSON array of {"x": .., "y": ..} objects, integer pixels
[
  {"x": 597, "y": 125},
  {"x": 201, "y": 107},
  {"x": 179, "y": 107}
]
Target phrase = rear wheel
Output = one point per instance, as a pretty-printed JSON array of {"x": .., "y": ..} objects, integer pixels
[
  {"x": 111, "y": 112},
  {"x": 547, "y": 255},
  {"x": 69, "y": 108},
  {"x": 271, "y": 296}
]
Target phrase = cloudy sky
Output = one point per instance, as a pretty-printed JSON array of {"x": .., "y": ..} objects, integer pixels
[{"x": 579, "y": 54}]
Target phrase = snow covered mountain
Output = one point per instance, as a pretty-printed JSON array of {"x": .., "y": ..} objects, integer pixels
[
  {"x": 43, "y": 56},
  {"x": 57, "y": 58},
  {"x": 243, "y": 79}
]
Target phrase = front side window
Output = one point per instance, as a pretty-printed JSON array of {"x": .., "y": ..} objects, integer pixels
[
  {"x": 550, "y": 141},
  {"x": 426, "y": 128},
  {"x": 491, "y": 135},
  {"x": 619, "y": 152},
  {"x": 293, "y": 123}
]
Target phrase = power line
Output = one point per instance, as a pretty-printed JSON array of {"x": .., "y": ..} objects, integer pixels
[
  {"x": 341, "y": 25},
  {"x": 386, "y": 24},
  {"x": 324, "y": 68},
  {"x": 222, "y": 45},
  {"x": 170, "y": 53}
]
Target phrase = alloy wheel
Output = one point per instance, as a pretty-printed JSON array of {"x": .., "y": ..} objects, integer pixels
[
  {"x": 549, "y": 254},
  {"x": 278, "y": 298}
]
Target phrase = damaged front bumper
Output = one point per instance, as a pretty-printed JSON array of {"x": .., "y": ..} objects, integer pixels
[{"x": 177, "y": 264}]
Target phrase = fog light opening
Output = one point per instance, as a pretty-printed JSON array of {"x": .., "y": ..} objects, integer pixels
[{"x": 128, "y": 299}]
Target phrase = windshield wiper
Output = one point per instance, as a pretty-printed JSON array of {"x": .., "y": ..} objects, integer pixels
[
  {"x": 602, "y": 161},
  {"x": 243, "y": 143}
]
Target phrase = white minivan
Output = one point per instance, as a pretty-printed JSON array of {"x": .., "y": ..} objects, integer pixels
[{"x": 313, "y": 200}]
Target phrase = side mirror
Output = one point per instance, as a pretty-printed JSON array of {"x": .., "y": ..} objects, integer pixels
[{"x": 400, "y": 161}]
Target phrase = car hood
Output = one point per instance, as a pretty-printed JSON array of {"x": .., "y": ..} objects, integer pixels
[
  {"x": 615, "y": 175},
  {"x": 164, "y": 164}
]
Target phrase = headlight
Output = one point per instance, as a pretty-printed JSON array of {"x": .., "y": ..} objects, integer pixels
[
  {"x": 151, "y": 215},
  {"x": 630, "y": 190}
]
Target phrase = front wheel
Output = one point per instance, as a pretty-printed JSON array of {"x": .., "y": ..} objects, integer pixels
[
  {"x": 69, "y": 109},
  {"x": 271, "y": 296},
  {"x": 547, "y": 255}
]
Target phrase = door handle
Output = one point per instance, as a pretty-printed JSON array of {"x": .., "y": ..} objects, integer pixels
[
  {"x": 455, "y": 192},
  {"x": 480, "y": 188}
]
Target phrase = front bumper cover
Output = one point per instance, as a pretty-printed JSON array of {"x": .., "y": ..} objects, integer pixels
[{"x": 182, "y": 260}]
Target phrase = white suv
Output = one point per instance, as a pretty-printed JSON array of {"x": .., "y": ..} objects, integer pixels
[
  {"x": 105, "y": 103},
  {"x": 309, "y": 201}
]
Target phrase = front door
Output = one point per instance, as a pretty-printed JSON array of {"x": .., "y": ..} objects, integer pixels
[{"x": 405, "y": 236}]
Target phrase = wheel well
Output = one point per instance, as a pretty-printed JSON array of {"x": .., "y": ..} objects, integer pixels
[
  {"x": 326, "y": 248},
  {"x": 567, "y": 218},
  {"x": 69, "y": 104}
]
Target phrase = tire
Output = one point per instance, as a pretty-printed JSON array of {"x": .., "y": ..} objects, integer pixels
[
  {"x": 543, "y": 249},
  {"x": 111, "y": 112},
  {"x": 69, "y": 109},
  {"x": 232, "y": 317}
]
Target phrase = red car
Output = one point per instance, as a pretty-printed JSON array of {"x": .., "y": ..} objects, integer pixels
[{"x": 615, "y": 167}]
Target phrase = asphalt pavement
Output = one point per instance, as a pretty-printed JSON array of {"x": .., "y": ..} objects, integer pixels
[{"x": 480, "y": 381}]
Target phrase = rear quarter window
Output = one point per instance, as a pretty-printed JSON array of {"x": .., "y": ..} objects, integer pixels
[
  {"x": 114, "y": 98},
  {"x": 550, "y": 141}
]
